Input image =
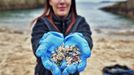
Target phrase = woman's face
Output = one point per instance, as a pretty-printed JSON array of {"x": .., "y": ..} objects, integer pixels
[{"x": 61, "y": 8}]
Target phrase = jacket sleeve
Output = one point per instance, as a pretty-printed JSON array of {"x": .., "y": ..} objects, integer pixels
[
  {"x": 37, "y": 32},
  {"x": 84, "y": 28}
]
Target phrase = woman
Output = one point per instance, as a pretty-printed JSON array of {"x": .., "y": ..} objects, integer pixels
[{"x": 59, "y": 16}]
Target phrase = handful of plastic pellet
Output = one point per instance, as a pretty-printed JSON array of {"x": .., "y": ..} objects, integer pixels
[{"x": 70, "y": 54}]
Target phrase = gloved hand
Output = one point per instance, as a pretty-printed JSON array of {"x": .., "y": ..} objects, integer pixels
[
  {"x": 63, "y": 65},
  {"x": 70, "y": 69},
  {"x": 78, "y": 40},
  {"x": 81, "y": 66},
  {"x": 47, "y": 45},
  {"x": 75, "y": 67},
  {"x": 49, "y": 42},
  {"x": 50, "y": 65}
]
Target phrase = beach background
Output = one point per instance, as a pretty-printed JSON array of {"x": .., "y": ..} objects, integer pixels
[{"x": 112, "y": 33}]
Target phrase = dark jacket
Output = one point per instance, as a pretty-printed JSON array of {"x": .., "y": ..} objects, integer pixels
[{"x": 43, "y": 25}]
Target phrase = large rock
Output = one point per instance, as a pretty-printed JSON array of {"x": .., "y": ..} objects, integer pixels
[
  {"x": 130, "y": 4},
  {"x": 123, "y": 8},
  {"x": 20, "y": 4}
]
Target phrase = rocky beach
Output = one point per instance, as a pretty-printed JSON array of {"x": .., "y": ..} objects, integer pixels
[{"x": 112, "y": 37}]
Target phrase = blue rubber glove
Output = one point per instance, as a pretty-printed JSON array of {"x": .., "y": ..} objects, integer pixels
[
  {"x": 70, "y": 69},
  {"x": 65, "y": 72},
  {"x": 50, "y": 65},
  {"x": 55, "y": 69},
  {"x": 49, "y": 42},
  {"x": 81, "y": 66},
  {"x": 78, "y": 40},
  {"x": 63, "y": 65},
  {"x": 47, "y": 45}
]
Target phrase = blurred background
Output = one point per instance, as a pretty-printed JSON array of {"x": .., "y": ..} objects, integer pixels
[{"x": 111, "y": 21}]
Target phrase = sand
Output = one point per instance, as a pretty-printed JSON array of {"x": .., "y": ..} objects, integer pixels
[{"x": 110, "y": 47}]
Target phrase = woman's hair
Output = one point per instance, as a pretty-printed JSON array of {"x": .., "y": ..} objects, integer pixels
[{"x": 48, "y": 10}]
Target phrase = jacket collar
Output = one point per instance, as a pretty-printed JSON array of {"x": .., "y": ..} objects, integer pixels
[{"x": 61, "y": 23}]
